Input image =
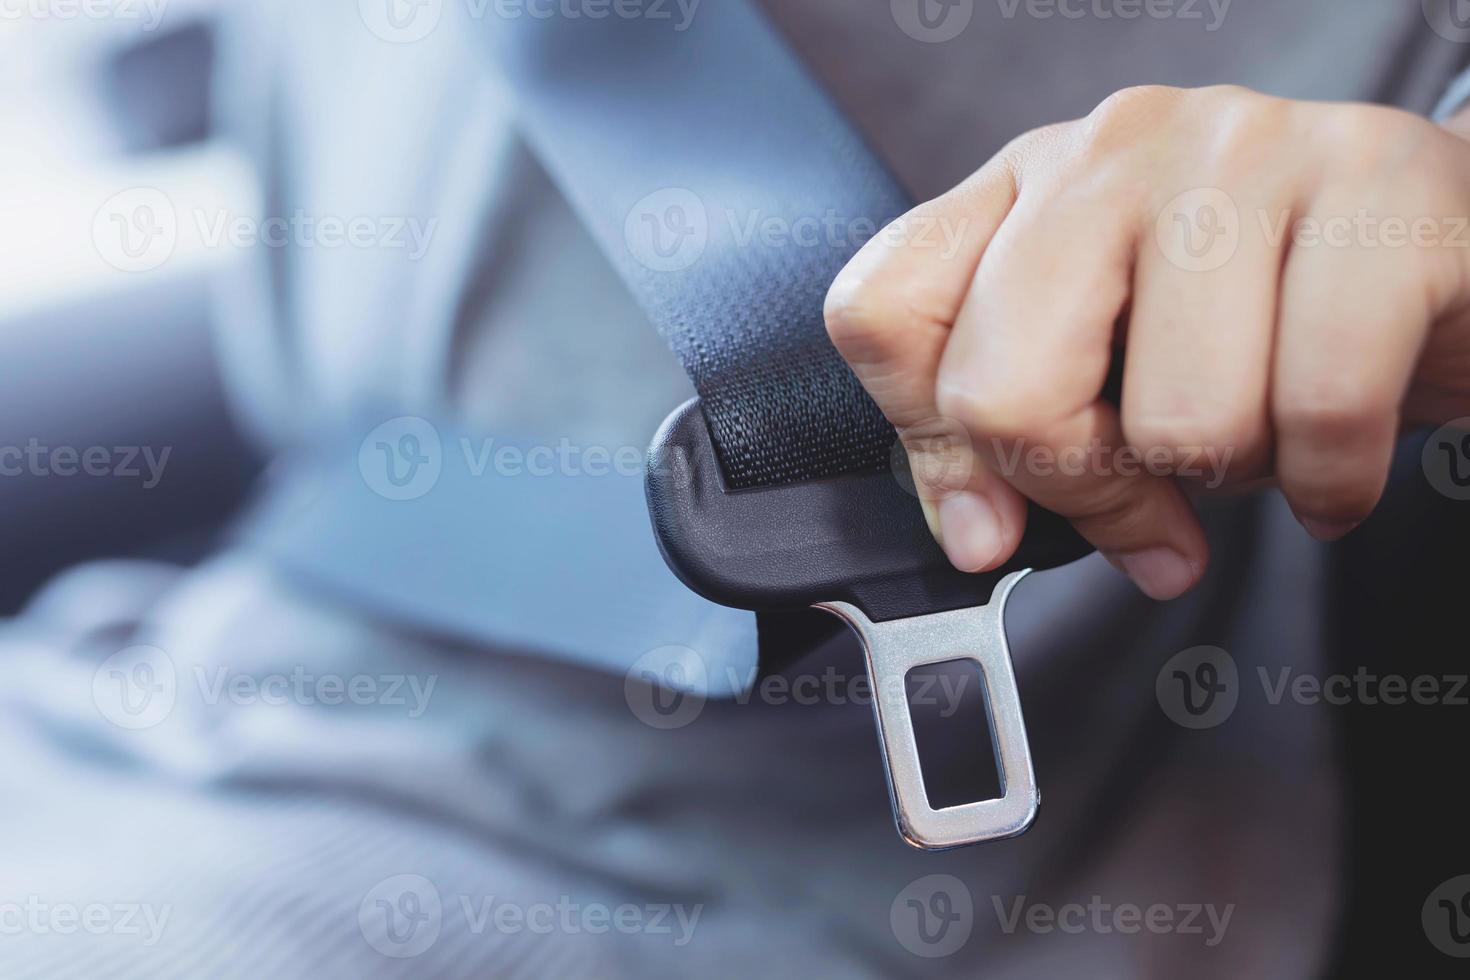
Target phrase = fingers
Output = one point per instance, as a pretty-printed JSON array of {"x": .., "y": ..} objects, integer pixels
[
  {"x": 1354, "y": 319},
  {"x": 889, "y": 314},
  {"x": 889, "y": 311},
  {"x": 1280, "y": 362},
  {"x": 1024, "y": 371},
  {"x": 1197, "y": 375}
]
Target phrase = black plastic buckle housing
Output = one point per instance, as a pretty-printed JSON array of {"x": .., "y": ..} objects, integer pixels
[{"x": 860, "y": 539}]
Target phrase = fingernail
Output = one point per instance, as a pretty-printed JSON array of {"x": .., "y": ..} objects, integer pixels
[
  {"x": 970, "y": 530},
  {"x": 1327, "y": 530},
  {"x": 1162, "y": 573}
]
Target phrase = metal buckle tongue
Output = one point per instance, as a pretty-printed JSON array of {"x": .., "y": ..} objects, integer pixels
[
  {"x": 894, "y": 648},
  {"x": 858, "y": 546}
]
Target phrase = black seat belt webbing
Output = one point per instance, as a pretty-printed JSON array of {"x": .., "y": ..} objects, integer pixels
[{"x": 655, "y": 134}]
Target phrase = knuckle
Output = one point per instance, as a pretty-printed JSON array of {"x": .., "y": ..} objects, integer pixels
[
  {"x": 1035, "y": 150},
  {"x": 1245, "y": 127},
  {"x": 941, "y": 467},
  {"x": 1376, "y": 143},
  {"x": 1115, "y": 513},
  {"x": 1109, "y": 135},
  {"x": 1372, "y": 137},
  {"x": 864, "y": 322},
  {"x": 1117, "y": 124},
  {"x": 1022, "y": 147},
  {"x": 1358, "y": 132},
  {"x": 1129, "y": 106},
  {"x": 1328, "y": 412},
  {"x": 1184, "y": 435},
  {"x": 989, "y": 411},
  {"x": 1236, "y": 100},
  {"x": 1147, "y": 433},
  {"x": 940, "y": 455},
  {"x": 1123, "y": 117},
  {"x": 1227, "y": 92}
]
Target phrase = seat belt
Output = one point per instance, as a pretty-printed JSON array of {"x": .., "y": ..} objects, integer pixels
[{"x": 728, "y": 191}]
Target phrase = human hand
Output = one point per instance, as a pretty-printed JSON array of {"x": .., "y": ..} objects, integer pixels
[{"x": 1287, "y": 284}]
